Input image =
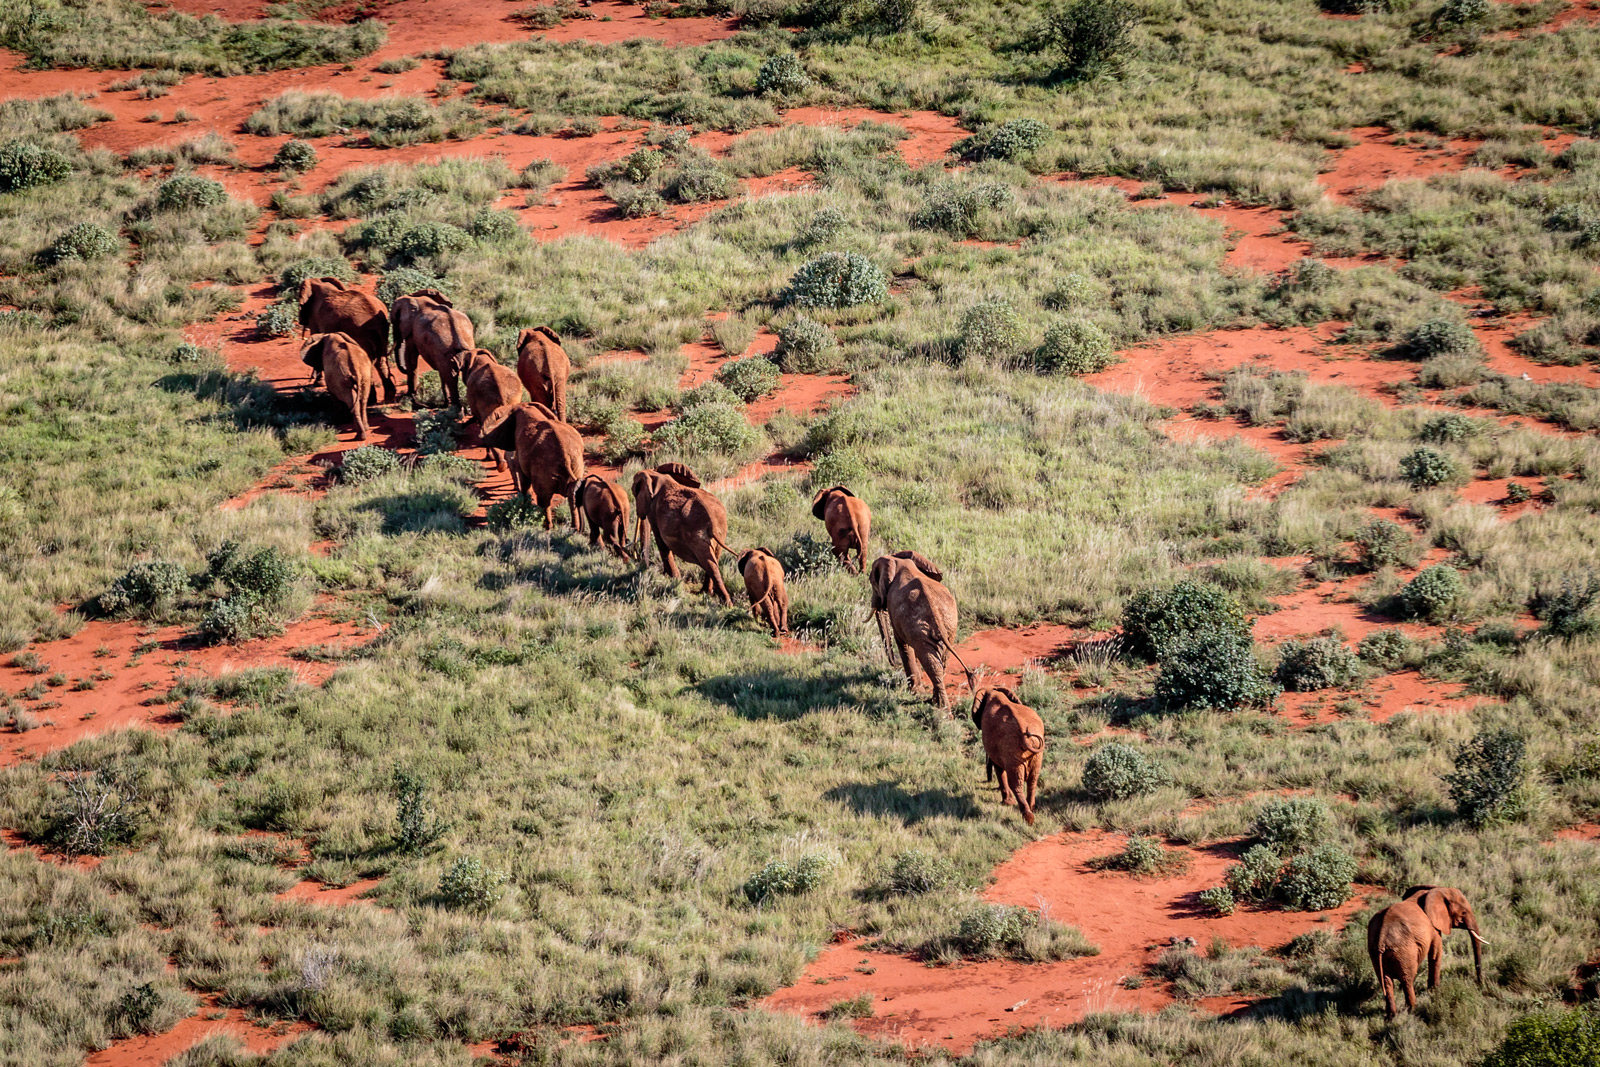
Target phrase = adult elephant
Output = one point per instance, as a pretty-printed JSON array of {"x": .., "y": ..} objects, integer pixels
[
  {"x": 428, "y": 327},
  {"x": 490, "y": 387},
  {"x": 328, "y": 305},
  {"x": 685, "y": 520},
  {"x": 543, "y": 366},
  {"x": 1403, "y": 935},
  {"x": 549, "y": 454},
  {"x": 849, "y": 522},
  {"x": 1013, "y": 745},
  {"x": 1447, "y": 909},
  {"x": 348, "y": 373},
  {"x": 909, "y": 589}
]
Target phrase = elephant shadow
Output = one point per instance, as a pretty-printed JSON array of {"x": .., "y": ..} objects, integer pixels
[
  {"x": 786, "y": 695},
  {"x": 423, "y": 511},
  {"x": 888, "y": 799}
]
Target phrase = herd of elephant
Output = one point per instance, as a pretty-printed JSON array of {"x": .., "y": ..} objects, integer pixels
[{"x": 353, "y": 337}]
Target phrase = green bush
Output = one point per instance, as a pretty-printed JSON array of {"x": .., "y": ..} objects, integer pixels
[
  {"x": 635, "y": 201},
  {"x": 146, "y": 589},
  {"x": 1550, "y": 1039},
  {"x": 1464, "y": 12},
  {"x": 295, "y": 156},
  {"x": 1317, "y": 880},
  {"x": 838, "y": 280},
  {"x": 1438, "y": 337},
  {"x": 1486, "y": 783},
  {"x": 514, "y": 513},
  {"x": 1212, "y": 667},
  {"x": 1381, "y": 543},
  {"x": 957, "y": 208},
  {"x": 266, "y": 575},
  {"x": 782, "y": 74},
  {"x": 1219, "y": 899},
  {"x": 805, "y": 346},
  {"x": 715, "y": 428},
  {"x": 1012, "y": 140},
  {"x": 437, "y": 430},
  {"x": 914, "y": 872},
  {"x": 402, "y": 280},
  {"x": 638, "y": 166},
  {"x": 189, "y": 191},
  {"x": 186, "y": 354},
  {"x": 1115, "y": 771},
  {"x": 1255, "y": 875},
  {"x": 495, "y": 226},
  {"x": 750, "y": 378},
  {"x": 697, "y": 183},
  {"x": 292, "y": 274},
  {"x": 779, "y": 877},
  {"x": 367, "y": 463},
  {"x": 86, "y": 241},
  {"x": 1153, "y": 618},
  {"x": 1142, "y": 855},
  {"x": 1566, "y": 614},
  {"x": 450, "y": 465},
  {"x": 1074, "y": 347},
  {"x": 1426, "y": 467},
  {"x": 432, "y": 239},
  {"x": 24, "y": 165},
  {"x": 1321, "y": 663},
  {"x": 1090, "y": 37},
  {"x": 806, "y": 554},
  {"x": 988, "y": 927},
  {"x": 416, "y": 826},
  {"x": 990, "y": 328},
  {"x": 1292, "y": 824},
  {"x": 822, "y": 227},
  {"x": 712, "y": 392},
  {"x": 232, "y": 619},
  {"x": 1448, "y": 429},
  {"x": 1433, "y": 592},
  {"x": 470, "y": 886},
  {"x": 842, "y": 466},
  {"x": 1517, "y": 493}
]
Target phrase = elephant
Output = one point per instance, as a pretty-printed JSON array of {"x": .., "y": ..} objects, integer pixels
[
  {"x": 1013, "y": 745},
  {"x": 327, "y": 305},
  {"x": 683, "y": 519},
  {"x": 605, "y": 508},
  {"x": 763, "y": 580},
  {"x": 848, "y": 520},
  {"x": 490, "y": 387},
  {"x": 428, "y": 327},
  {"x": 909, "y": 589},
  {"x": 348, "y": 372},
  {"x": 543, "y": 366},
  {"x": 549, "y": 454},
  {"x": 681, "y": 473},
  {"x": 1411, "y": 930}
]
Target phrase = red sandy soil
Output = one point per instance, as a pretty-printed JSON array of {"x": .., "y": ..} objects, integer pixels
[
  {"x": 1376, "y": 159},
  {"x": 1321, "y": 606},
  {"x": 1131, "y": 919},
  {"x": 315, "y": 892},
  {"x": 1495, "y": 333},
  {"x": 1011, "y": 651},
  {"x": 116, "y": 703},
  {"x": 1584, "y": 831},
  {"x": 157, "y": 1049},
  {"x": 1381, "y": 700},
  {"x": 1492, "y": 492},
  {"x": 15, "y": 842}
]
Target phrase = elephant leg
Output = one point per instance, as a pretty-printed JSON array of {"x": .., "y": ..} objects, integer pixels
[
  {"x": 933, "y": 664},
  {"x": 714, "y": 579},
  {"x": 1408, "y": 982},
  {"x": 669, "y": 566},
  {"x": 1435, "y": 962},
  {"x": 390, "y": 392},
  {"x": 905, "y": 663},
  {"x": 545, "y": 500},
  {"x": 783, "y": 616},
  {"x": 1008, "y": 791},
  {"x": 1388, "y": 994},
  {"x": 1019, "y": 790},
  {"x": 359, "y": 409}
]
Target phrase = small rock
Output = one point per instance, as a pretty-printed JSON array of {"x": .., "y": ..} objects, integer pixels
[{"x": 1017, "y": 1006}]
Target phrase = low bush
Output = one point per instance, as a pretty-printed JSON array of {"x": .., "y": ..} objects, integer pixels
[
  {"x": 1486, "y": 783},
  {"x": 450, "y": 465},
  {"x": 1115, "y": 771},
  {"x": 1292, "y": 824},
  {"x": 1381, "y": 543},
  {"x": 838, "y": 280},
  {"x": 1144, "y": 855},
  {"x": 86, "y": 241},
  {"x": 1212, "y": 667},
  {"x": 991, "y": 927},
  {"x": 805, "y": 346},
  {"x": 1074, "y": 347},
  {"x": 187, "y": 354},
  {"x": 711, "y": 428},
  {"x": 958, "y": 208},
  {"x": 428, "y": 240},
  {"x": 697, "y": 183},
  {"x": 990, "y": 329},
  {"x": 402, "y": 280},
  {"x": 1438, "y": 337},
  {"x": 1218, "y": 899},
  {"x": 1464, "y": 12},
  {"x": 147, "y": 589},
  {"x": 635, "y": 201},
  {"x": 1317, "y": 880},
  {"x": 267, "y": 574},
  {"x": 1431, "y": 594},
  {"x": 1549, "y": 1039},
  {"x": 1321, "y": 663},
  {"x": 1012, "y": 140},
  {"x": 1566, "y": 614},
  {"x": 782, "y": 75},
  {"x": 914, "y": 871},
  {"x": 295, "y": 157},
  {"x": 437, "y": 430},
  {"x": 1153, "y": 618},
  {"x": 494, "y": 226},
  {"x": 1090, "y": 37},
  {"x": 1448, "y": 429},
  {"x": 1426, "y": 467},
  {"x": 712, "y": 392},
  {"x": 805, "y": 553},
  {"x": 367, "y": 463},
  {"x": 850, "y": 1008},
  {"x": 822, "y": 227},
  {"x": 292, "y": 274},
  {"x": 232, "y": 619},
  {"x": 417, "y": 828},
  {"x": 25, "y": 165},
  {"x": 842, "y": 466},
  {"x": 1255, "y": 875},
  {"x": 749, "y": 379},
  {"x": 782, "y": 878},
  {"x": 470, "y": 886},
  {"x": 189, "y": 191}
]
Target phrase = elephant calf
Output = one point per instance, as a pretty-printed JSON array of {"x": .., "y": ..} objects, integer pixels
[
  {"x": 685, "y": 520},
  {"x": 490, "y": 387},
  {"x": 328, "y": 305},
  {"x": 1413, "y": 929},
  {"x": 910, "y": 591},
  {"x": 1013, "y": 745},
  {"x": 763, "y": 580},
  {"x": 549, "y": 454},
  {"x": 848, "y": 520},
  {"x": 347, "y": 372},
  {"x": 428, "y": 328},
  {"x": 605, "y": 507},
  {"x": 543, "y": 366}
]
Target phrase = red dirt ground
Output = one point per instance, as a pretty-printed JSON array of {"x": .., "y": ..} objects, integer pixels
[
  {"x": 315, "y": 892},
  {"x": 1375, "y": 159},
  {"x": 1131, "y": 919},
  {"x": 211, "y": 1020},
  {"x": 1010, "y": 651}
]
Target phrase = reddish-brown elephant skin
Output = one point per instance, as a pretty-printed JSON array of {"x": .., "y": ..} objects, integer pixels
[
  {"x": 1447, "y": 909},
  {"x": 549, "y": 454},
  {"x": 1412, "y": 930},
  {"x": 1013, "y": 745},
  {"x": 543, "y": 366},
  {"x": 604, "y": 507},
  {"x": 327, "y": 305},
  {"x": 428, "y": 328},
  {"x": 490, "y": 387},
  {"x": 908, "y": 591},
  {"x": 849, "y": 522},
  {"x": 347, "y": 373},
  {"x": 685, "y": 521},
  {"x": 763, "y": 581}
]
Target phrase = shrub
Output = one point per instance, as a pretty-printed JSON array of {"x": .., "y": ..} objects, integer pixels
[
  {"x": 1517, "y": 493},
  {"x": 1090, "y": 37},
  {"x": 1438, "y": 337},
  {"x": 849, "y": 1008},
  {"x": 806, "y": 554},
  {"x": 1317, "y": 880},
  {"x": 712, "y": 392},
  {"x": 1292, "y": 824},
  {"x": 1321, "y": 663},
  {"x": 716, "y": 428},
  {"x": 635, "y": 201},
  {"x": 782, "y": 74},
  {"x": 839, "y": 467},
  {"x": 1218, "y": 899},
  {"x": 514, "y": 513},
  {"x": 1155, "y": 617},
  {"x": 1212, "y": 668},
  {"x": 367, "y": 463},
  {"x": 86, "y": 241},
  {"x": 991, "y": 926},
  {"x": 1381, "y": 543},
  {"x": 1552, "y": 1039},
  {"x": 189, "y": 191},
  {"x": 1448, "y": 429},
  {"x": 1116, "y": 771},
  {"x": 1430, "y": 594},
  {"x": 989, "y": 328},
  {"x": 698, "y": 183},
  {"x": 495, "y": 226},
  {"x": 1488, "y": 775},
  {"x": 146, "y": 589},
  {"x": 821, "y": 228},
  {"x": 266, "y": 575},
  {"x": 450, "y": 465},
  {"x": 957, "y": 208},
  {"x": 136, "y": 1009},
  {"x": 838, "y": 280},
  {"x": 292, "y": 274},
  {"x": 1012, "y": 140},
  {"x": 295, "y": 156},
  {"x": 470, "y": 886},
  {"x": 1074, "y": 347},
  {"x": 805, "y": 346},
  {"x": 1566, "y": 614},
  {"x": 1427, "y": 467},
  {"x": 232, "y": 619},
  {"x": 416, "y": 826},
  {"x": 749, "y": 378},
  {"x": 437, "y": 430},
  {"x": 186, "y": 354},
  {"x": 24, "y": 165},
  {"x": 432, "y": 239},
  {"x": 915, "y": 871},
  {"x": 402, "y": 280},
  {"x": 1464, "y": 12},
  {"x": 779, "y": 877},
  {"x": 1255, "y": 875},
  {"x": 1143, "y": 855}
]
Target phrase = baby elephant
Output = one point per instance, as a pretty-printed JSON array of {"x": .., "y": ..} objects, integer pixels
[
  {"x": 1013, "y": 742},
  {"x": 849, "y": 522},
  {"x": 605, "y": 507},
  {"x": 763, "y": 580}
]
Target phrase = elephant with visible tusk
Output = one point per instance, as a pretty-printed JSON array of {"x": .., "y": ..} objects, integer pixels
[
  {"x": 1411, "y": 930},
  {"x": 909, "y": 589}
]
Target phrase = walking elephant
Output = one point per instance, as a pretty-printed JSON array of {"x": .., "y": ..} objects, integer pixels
[
  {"x": 347, "y": 372},
  {"x": 604, "y": 507},
  {"x": 549, "y": 454},
  {"x": 763, "y": 581},
  {"x": 1447, "y": 909},
  {"x": 849, "y": 521},
  {"x": 1013, "y": 745},
  {"x": 685, "y": 520},
  {"x": 427, "y": 327},
  {"x": 543, "y": 366},
  {"x": 910, "y": 591},
  {"x": 1409, "y": 931},
  {"x": 327, "y": 305},
  {"x": 490, "y": 387}
]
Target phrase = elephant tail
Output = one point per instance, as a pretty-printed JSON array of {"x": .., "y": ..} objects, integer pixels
[
  {"x": 972, "y": 679},
  {"x": 1032, "y": 742},
  {"x": 717, "y": 542}
]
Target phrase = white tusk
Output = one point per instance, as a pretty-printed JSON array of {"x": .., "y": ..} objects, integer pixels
[{"x": 1478, "y": 939}]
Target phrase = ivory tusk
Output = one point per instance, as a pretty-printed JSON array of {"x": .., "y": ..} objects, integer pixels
[{"x": 1478, "y": 939}]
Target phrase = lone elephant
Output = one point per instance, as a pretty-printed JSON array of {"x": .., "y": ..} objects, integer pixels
[
  {"x": 685, "y": 520},
  {"x": 1412, "y": 930},
  {"x": 763, "y": 580},
  {"x": 490, "y": 387},
  {"x": 347, "y": 373},
  {"x": 543, "y": 366},
  {"x": 549, "y": 454},
  {"x": 427, "y": 327},
  {"x": 921, "y": 613},
  {"x": 328, "y": 305},
  {"x": 1013, "y": 745},
  {"x": 604, "y": 507},
  {"x": 849, "y": 521}
]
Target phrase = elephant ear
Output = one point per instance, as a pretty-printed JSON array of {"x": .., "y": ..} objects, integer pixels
[
  {"x": 305, "y": 290},
  {"x": 314, "y": 353},
  {"x": 980, "y": 700},
  {"x": 680, "y": 473},
  {"x": 522, "y": 340},
  {"x": 923, "y": 564},
  {"x": 744, "y": 558},
  {"x": 841, "y": 489},
  {"x": 1416, "y": 891},
  {"x": 819, "y": 503},
  {"x": 877, "y": 579},
  {"x": 548, "y": 332},
  {"x": 500, "y": 428},
  {"x": 542, "y": 410},
  {"x": 335, "y": 283},
  {"x": 1009, "y": 695}
]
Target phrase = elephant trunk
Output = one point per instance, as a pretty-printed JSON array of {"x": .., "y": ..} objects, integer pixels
[
  {"x": 883, "y": 629},
  {"x": 1477, "y": 951}
]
